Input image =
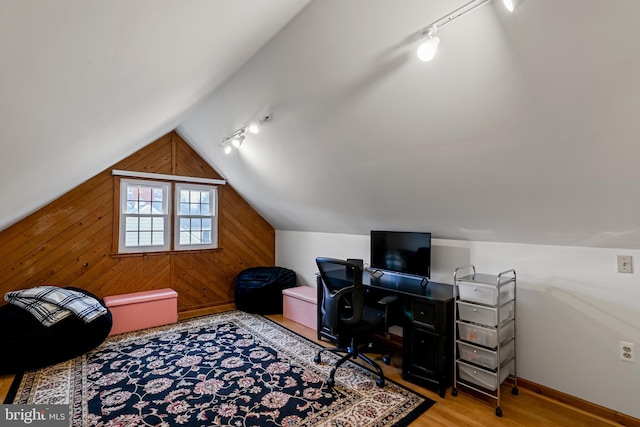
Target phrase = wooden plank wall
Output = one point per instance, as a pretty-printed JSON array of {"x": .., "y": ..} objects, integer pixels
[{"x": 69, "y": 241}]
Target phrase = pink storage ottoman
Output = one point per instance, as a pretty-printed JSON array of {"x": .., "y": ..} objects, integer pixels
[
  {"x": 300, "y": 304},
  {"x": 140, "y": 310}
]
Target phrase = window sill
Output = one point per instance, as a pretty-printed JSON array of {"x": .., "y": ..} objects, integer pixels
[{"x": 148, "y": 254}]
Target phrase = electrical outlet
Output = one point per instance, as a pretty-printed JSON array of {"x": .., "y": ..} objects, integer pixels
[
  {"x": 625, "y": 264},
  {"x": 627, "y": 352}
]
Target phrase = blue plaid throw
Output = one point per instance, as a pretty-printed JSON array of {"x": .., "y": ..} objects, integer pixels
[{"x": 51, "y": 304}]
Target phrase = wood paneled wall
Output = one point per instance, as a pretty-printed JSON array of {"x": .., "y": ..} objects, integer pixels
[{"x": 69, "y": 241}]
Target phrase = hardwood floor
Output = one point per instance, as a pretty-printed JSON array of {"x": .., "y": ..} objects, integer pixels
[{"x": 526, "y": 409}]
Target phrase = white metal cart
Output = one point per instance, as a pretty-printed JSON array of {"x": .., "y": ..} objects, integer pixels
[{"x": 484, "y": 348}]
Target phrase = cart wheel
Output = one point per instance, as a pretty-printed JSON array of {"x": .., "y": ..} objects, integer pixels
[
  {"x": 386, "y": 360},
  {"x": 317, "y": 358},
  {"x": 454, "y": 392},
  {"x": 514, "y": 391},
  {"x": 442, "y": 393},
  {"x": 498, "y": 412},
  {"x": 331, "y": 382},
  {"x": 380, "y": 382}
]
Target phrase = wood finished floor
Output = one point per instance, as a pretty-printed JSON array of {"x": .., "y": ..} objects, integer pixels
[{"x": 526, "y": 409}]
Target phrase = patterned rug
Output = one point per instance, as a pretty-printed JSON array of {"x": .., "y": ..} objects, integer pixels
[{"x": 231, "y": 369}]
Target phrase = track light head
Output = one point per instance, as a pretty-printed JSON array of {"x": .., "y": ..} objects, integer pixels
[
  {"x": 237, "y": 141},
  {"x": 427, "y": 50},
  {"x": 254, "y": 128},
  {"x": 508, "y": 4}
]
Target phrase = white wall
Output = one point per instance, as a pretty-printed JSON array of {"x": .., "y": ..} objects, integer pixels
[{"x": 573, "y": 307}]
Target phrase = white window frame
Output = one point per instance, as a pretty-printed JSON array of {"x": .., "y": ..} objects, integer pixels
[
  {"x": 213, "y": 216},
  {"x": 166, "y": 216}
]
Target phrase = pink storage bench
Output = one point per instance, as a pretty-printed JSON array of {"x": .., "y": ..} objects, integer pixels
[
  {"x": 300, "y": 304},
  {"x": 140, "y": 310}
]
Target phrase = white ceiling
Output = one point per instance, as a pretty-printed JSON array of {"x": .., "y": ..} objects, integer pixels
[
  {"x": 523, "y": 129},
  {"x": 84, "y": 83}
]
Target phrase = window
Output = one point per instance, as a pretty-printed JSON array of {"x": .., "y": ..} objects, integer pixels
[
  {"x": 144, "y": 216},
  {"x": 195, "y": 217},
  {"x": 146, "y": 211}
]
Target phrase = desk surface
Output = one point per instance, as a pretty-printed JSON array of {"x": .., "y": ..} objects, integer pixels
[{"x": 409, "y": 285}]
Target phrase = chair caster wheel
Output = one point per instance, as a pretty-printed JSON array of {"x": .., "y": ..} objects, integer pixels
[
  {"x": 317, "y": 358},
  {"x": 498, "y": 412},
  {"x": 514, "y": 391},
  {"x": 386, "y": 360},
  {"x": 454, "y": 392},
  {"x": 380, "y": 382},
  {"x": 331, "y": 382}
]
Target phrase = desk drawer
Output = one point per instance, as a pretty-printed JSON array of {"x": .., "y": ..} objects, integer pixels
[{"x": 424, "y": 313}]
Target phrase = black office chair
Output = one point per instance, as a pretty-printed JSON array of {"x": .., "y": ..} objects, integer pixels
[{"x": 344, "y": 313}]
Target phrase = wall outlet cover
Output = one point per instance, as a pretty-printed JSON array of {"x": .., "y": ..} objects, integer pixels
[
  {"x": 627, "y": 352},
  {"x": 625, "y": 264}
]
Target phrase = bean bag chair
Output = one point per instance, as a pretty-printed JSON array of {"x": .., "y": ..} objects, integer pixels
[
  {"x": 259, "y": 289},
  {"x": 27, "y": 344}
]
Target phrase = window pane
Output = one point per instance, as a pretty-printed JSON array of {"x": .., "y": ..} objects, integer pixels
[
  {"x": 157, "y": 238},
  {"x": 131, "y": 224},
  {"x": 205, "y": 209},
  {"x": 206, "y": 237},
  {"x": 184, "y": 196},
  {"x": 158, "y": 224},
  {"x": 145, "y": 223},
  {"x": 131, "y": 207},
  {"x": 185, "y": 237},
  {"x": 157, "y": 208},
  {"x": 145, "y": 238},
  {"x": 194, "y": 209},
  {"x": 131, "y": 239},
  {"x": 144, "y": 194},
  {"x": 184, "y": 209},
  {"x": 205, "y": 197},
  {"x": 196, "y": 224},
  {"x": 158, "y": 195},
  {"x": 144, "y": 208}
]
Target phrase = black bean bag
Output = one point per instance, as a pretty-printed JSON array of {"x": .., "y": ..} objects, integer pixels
[
  {"x": 259, "y": 289},
  {"x": 27, "y": 344}
]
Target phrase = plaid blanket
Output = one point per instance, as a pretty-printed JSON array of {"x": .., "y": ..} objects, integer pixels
[{"x": 51, "y": 304}]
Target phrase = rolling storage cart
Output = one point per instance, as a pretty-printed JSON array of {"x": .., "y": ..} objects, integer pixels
[{"x": 485, "y": 332}]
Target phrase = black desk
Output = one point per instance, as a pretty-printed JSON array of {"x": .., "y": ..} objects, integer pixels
[{"x": 426, "y": 316}]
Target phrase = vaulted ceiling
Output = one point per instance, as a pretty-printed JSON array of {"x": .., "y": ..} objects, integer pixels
[{"x": 523, "y": 128}]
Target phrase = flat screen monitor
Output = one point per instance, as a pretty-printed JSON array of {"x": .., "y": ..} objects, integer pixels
[{"x": 401, "y": 252}]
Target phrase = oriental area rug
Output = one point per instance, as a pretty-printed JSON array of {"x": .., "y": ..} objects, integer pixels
[{"x": 230, "y": 369}]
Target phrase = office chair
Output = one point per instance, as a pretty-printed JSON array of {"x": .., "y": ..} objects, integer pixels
[{"x": 344, "y": 313}]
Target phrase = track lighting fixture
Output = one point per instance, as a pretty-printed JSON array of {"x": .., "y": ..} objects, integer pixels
[
  {"x": 428, "y": 49},
  {"x": 237, "y": 138}
]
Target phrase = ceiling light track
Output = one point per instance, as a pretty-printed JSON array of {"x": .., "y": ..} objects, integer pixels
[
  {"x": 428, "y": 49},
  {"x": 236, "y": 139}
]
